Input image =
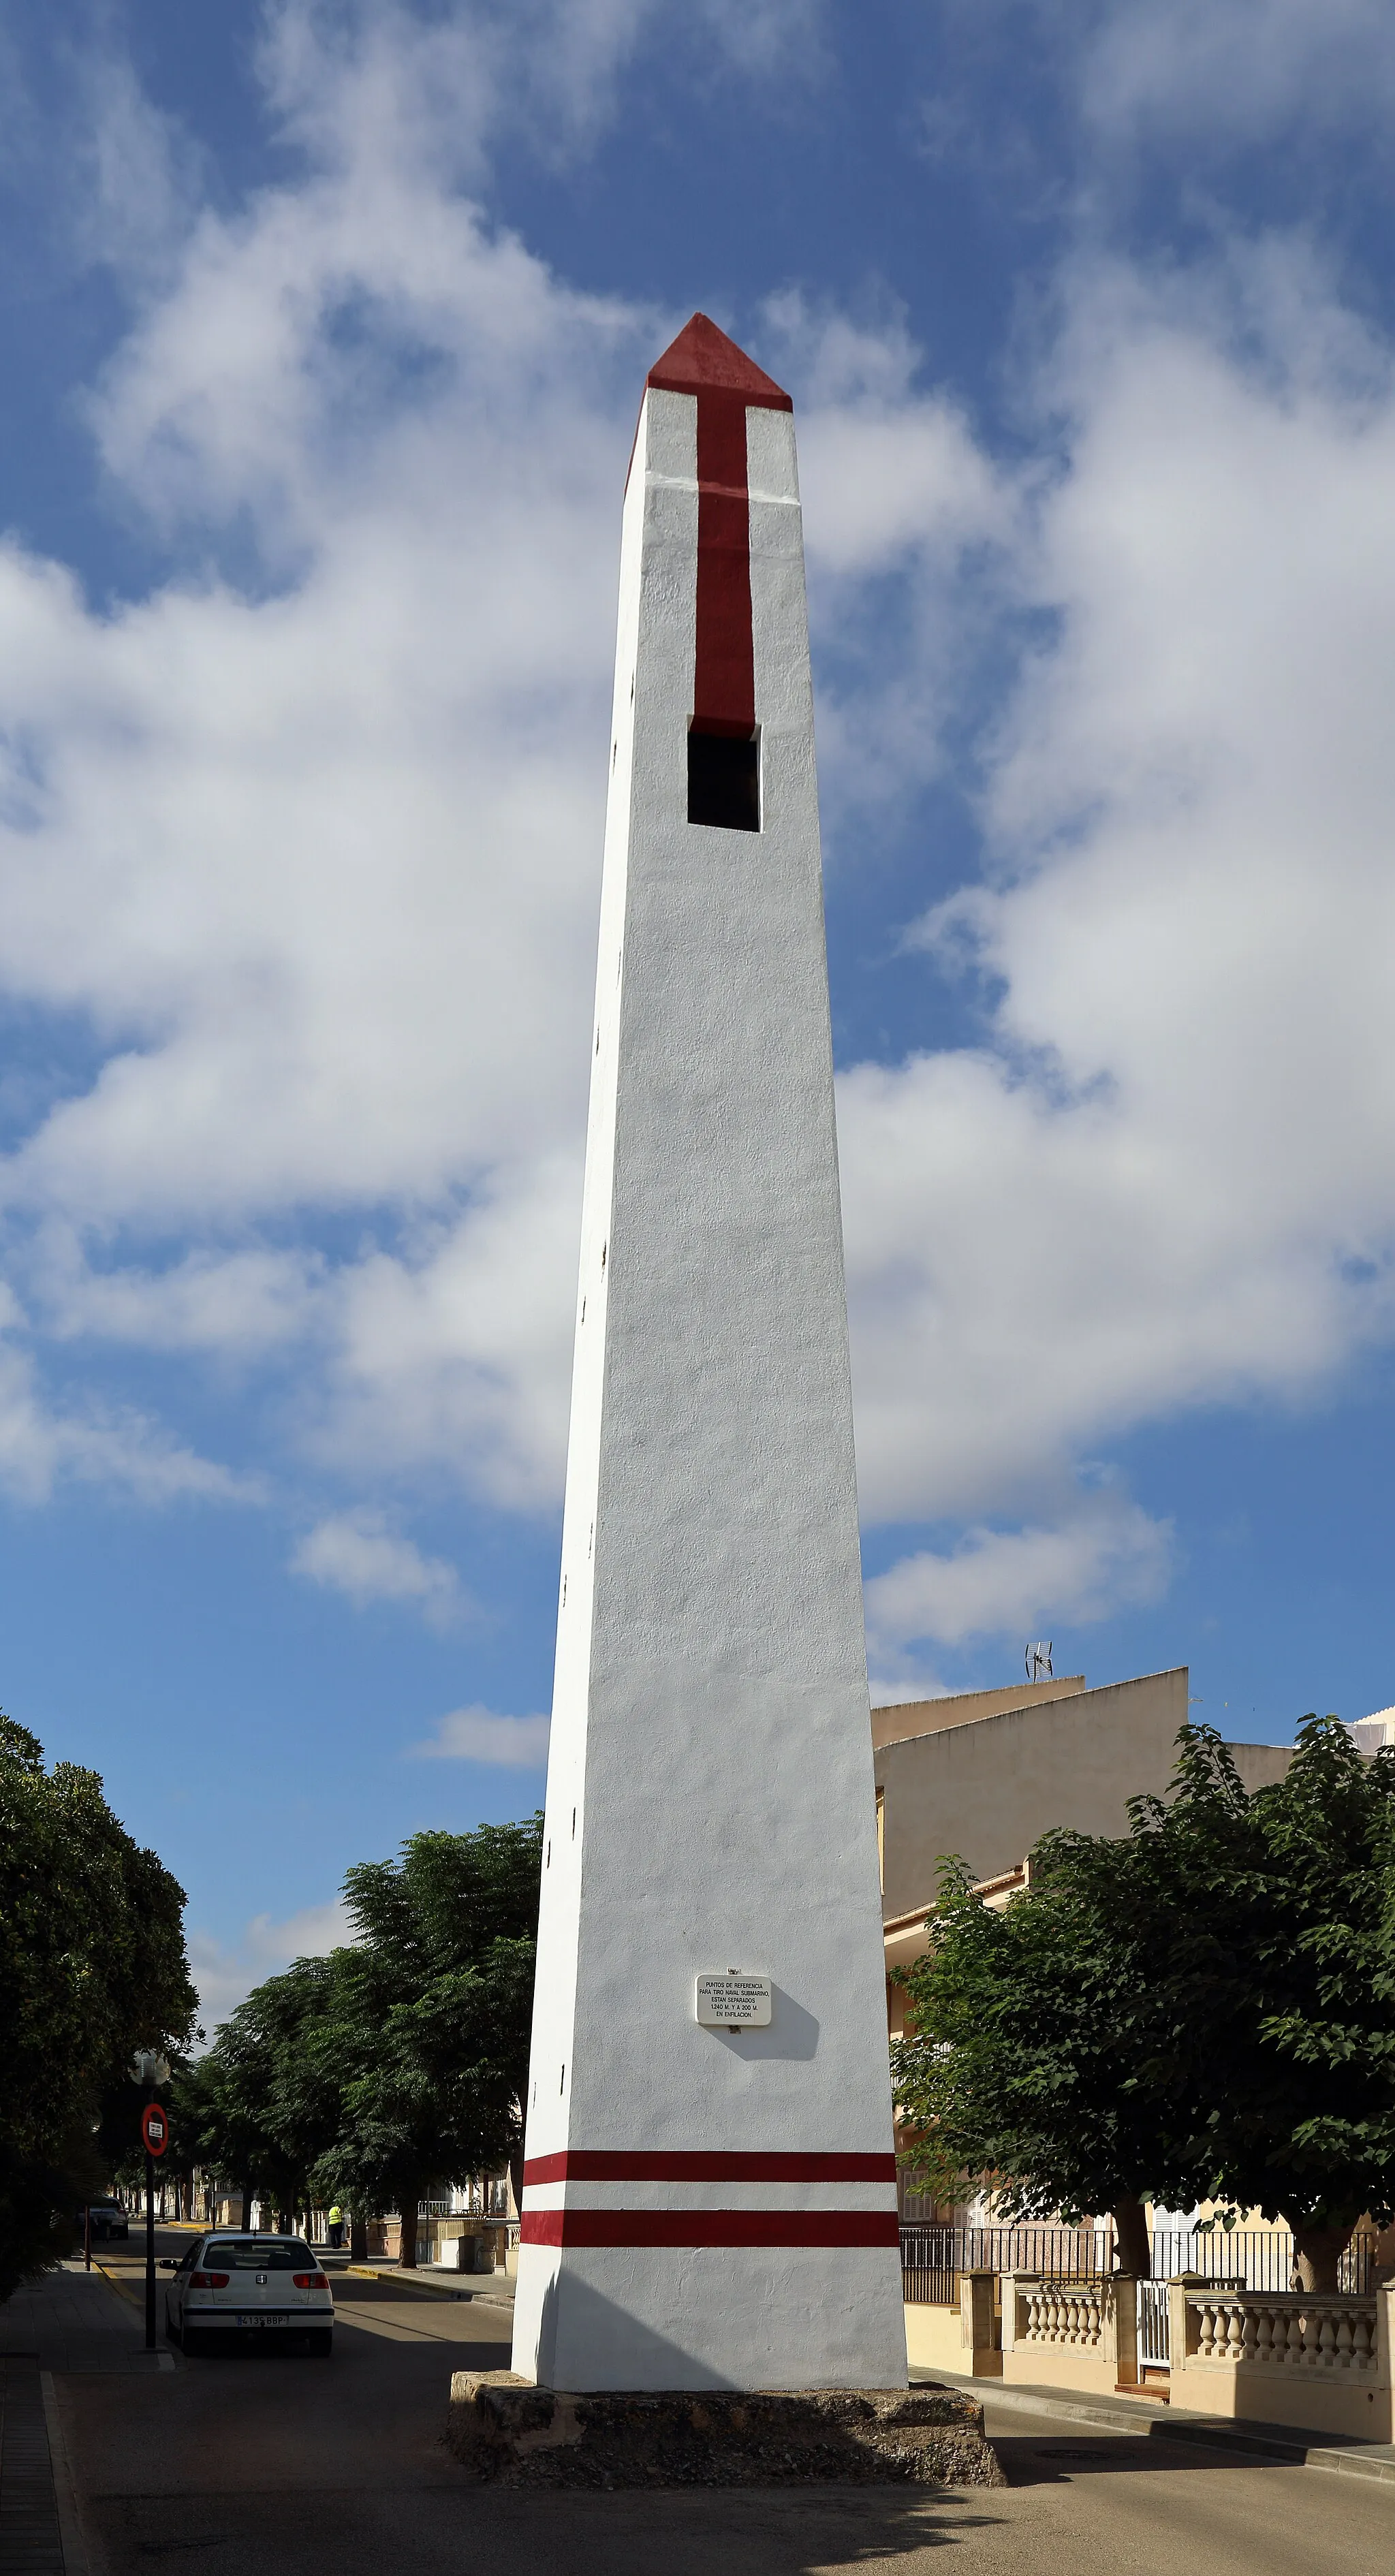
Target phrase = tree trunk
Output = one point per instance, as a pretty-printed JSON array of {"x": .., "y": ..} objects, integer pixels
[
  {"x": 358, "y": 2236},
  {"x": 407, "y": 2258},
  {"x": 247, "y": 2197},
  {"x": 516, "y": 2176},
  {"x": 1133, "y": 2247},
  {"x": 1318, "y": 2251}
]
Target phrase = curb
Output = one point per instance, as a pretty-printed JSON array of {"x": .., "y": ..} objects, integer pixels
[{"x": 1216, "y": 2433}]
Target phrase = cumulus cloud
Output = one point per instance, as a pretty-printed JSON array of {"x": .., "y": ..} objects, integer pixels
[
  {"x": 1008, "y": 1583},
  {"x": 1237, "y": 69},
  {"x": 312, "y": 846},
  {"x": 357, "y": 1554},
  {"x": 224, "y": 1972},
  {"x": 307, "y": 839},
  {"x": 312, "y": 851},
  {"x": 1164, "y": 1178},
  {"x": 1208, "y": 76},
  {"x": 47, "y": 1441},
  {"x": 477, "y": 1735}
]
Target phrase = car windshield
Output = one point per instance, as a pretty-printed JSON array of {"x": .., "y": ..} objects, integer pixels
[{"x": 261, "y": 2254}]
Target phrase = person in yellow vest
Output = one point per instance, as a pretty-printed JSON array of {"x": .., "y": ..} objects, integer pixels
[{"x": 336, "y": 2227}]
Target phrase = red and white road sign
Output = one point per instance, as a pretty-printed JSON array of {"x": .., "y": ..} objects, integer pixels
[{"x": 154, "y": 2128}]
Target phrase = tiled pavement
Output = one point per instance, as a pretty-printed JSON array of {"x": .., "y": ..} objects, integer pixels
[
  {"x": 30, "y": 2542},
  {"x": 71, "y": 2320}
]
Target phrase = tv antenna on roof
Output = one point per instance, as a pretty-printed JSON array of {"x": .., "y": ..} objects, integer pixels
[{"x": 1038, "y": 1660}]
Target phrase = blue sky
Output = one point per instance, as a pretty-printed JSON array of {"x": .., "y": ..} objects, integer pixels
[{"x": 323, "y": 335}]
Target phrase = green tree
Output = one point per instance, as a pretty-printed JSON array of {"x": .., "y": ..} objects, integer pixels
[
  {"x": 396, "y": 2062},
  {"x": 432, "y": 2014},
  {"x": 262, "y": 2103},
  {"x": 1204, "y": 2009},
  {"x": 92, "y": 1966}
]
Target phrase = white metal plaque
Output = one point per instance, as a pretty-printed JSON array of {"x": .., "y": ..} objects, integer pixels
[{"x": 727, "y": 1999}]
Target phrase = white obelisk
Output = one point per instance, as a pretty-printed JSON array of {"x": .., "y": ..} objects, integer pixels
[{"x": 711, "y": 2202}]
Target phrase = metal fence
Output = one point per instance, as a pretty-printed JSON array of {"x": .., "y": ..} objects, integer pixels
[
  {"x": 1154, "y": 2325},
  {"x": 932, "y": 2257}
]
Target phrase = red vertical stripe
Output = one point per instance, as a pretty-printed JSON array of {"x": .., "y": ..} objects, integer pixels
[{"x": 724, "y": 681}]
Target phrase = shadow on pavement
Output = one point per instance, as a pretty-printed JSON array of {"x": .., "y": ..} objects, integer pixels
[
  {"x": 1052, "y": 2459},
  {"x": 794, "y": 2532}
]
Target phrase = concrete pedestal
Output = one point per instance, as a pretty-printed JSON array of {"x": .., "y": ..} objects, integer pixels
[{"x": 514, "y": 2433}]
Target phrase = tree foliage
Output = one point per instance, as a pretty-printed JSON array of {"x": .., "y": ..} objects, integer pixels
[
  {"x": 398, "y": 2061},
  {"x": 92, "y": 1966},
  {"x": 1204, "y": 2009}
]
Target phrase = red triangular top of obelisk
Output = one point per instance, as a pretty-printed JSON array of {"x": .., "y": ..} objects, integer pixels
[{"x": 703, "y": 360}]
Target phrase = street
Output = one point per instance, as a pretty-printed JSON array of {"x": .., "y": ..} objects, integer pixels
[{"x": 271, "y": 2462}]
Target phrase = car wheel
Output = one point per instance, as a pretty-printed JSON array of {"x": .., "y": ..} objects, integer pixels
[
  {"x": 321, "y": 2343},
  {"x": 171, "y": 2336},
  {"x": 193, "y": 2345}
]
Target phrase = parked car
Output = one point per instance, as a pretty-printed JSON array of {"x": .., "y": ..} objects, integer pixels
[
  {"x": 233, "y": 2289},
  {"x": 108, "y": 2219}
]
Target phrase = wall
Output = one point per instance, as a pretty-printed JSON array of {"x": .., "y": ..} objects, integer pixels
[
  {"x": 989, "y": 1787},
  {"x": 1318, "y": 2396},
  {"x": 926, "y": 1716}
]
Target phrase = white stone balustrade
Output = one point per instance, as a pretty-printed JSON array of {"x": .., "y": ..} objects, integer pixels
[
  {"x": 1334, "y": 2335},
  {"x": 1059, "y": 2313},
  {"x": 1316, "y": 2358},
  {"x": 1069, "y": 2334}
]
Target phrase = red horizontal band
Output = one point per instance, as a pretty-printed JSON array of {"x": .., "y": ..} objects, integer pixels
[
  {"x": 622, "y": 2164},
  {"x": 709, "y": 2227}
]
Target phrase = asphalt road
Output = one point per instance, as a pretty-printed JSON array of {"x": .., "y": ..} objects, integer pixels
[{"x": 274, "y": 2463}]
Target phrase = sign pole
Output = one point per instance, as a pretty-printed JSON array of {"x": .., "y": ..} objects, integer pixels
[
  {"x": 155, "y": 2129},
  {"x": 87, "y": 2238},
  {"x": 149, "y": 2251}
]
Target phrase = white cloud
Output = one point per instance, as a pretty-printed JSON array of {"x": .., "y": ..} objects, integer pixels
[
  {"x": 459, "y": 1348},
  {"x": 1238, "y": 69},
  {"x": 242, "y": 1303},
  {"x": 1167, "y": 1177},
  {"x": 357, "y": 1554},
  {"x": 312, "y": 852},
  {"x": 477, "y": 1735},
  {"x": 1012, "y": 1583},
  {"x": 44, "y": 1443},
  {"x": 316, "y": 858},
  {"x": 1205, "y": 76},
  {"x": 225, "y": 1972}
]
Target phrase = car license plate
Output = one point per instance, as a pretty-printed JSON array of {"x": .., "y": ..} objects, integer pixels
[{"x": 260, "y": 2320}]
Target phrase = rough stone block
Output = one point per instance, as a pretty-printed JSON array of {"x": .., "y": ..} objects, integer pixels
[{"x": 505, "y": 2429}]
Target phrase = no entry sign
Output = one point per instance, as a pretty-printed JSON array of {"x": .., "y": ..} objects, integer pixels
[{"x": 155, "y": 2128}]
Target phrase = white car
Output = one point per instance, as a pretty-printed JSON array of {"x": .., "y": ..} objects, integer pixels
[{"x": 230, "y": 2287}]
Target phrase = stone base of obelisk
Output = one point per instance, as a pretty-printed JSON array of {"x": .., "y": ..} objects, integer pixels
[{"x": 505, "y": 2429}]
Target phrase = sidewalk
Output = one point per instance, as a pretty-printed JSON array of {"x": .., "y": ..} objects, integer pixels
[
  {"x": 1153, "y": 2419},
  {"x": 77, "y": 2320},
  {"x": 71, "y": 2320}
]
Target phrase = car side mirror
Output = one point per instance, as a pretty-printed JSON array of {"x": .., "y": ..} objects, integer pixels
[{"x": 168, "y": 2263}]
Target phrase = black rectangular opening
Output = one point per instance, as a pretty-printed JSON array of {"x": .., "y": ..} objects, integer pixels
[{"x": 724, "y": 780}]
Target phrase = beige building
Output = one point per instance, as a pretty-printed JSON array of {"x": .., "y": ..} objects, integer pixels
[{"x": 986, "y": 1773}]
